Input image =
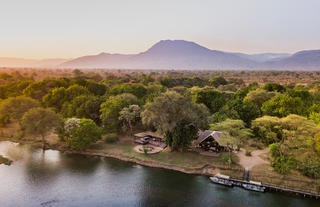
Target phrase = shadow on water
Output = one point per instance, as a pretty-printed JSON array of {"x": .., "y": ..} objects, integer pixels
[{"x": 79, "y": 164}]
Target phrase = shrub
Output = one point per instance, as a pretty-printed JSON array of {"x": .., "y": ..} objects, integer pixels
[
  {"x": 284, "y": 164},
  {"x": 226, "y": 158},
  {"x": 311, "y": 167},
  {"x": 248, "y": 152},
  {"x": 111, "y": 138}
]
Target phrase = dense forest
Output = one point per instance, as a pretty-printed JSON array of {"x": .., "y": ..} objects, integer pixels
[{"x": 257, "y": 109}]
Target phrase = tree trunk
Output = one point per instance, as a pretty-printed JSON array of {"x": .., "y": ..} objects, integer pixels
[{"x": 43, "y": 142}]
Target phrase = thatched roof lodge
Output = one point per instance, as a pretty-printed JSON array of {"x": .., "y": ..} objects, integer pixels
[{"x": 211, "y": 141}]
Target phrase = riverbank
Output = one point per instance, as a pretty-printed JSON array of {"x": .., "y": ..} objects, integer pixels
[{"x": 189, "y": 163}]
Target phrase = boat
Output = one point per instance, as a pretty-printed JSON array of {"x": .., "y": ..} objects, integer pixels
[
  {"x": 254, "y": 186},
  {"x": 221, "y": 181}
]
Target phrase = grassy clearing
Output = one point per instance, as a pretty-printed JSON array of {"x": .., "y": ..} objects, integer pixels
[{"x": 186, "y": 160}]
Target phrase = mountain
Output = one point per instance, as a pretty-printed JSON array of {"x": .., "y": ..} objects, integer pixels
[
  {"x": 21, "y": 62},
  {"x": 166, "y": 54},
  {"x": 263, "y": 57},
  {"x": 303, "y": 60},
  {"x": 180, "y": 54}
]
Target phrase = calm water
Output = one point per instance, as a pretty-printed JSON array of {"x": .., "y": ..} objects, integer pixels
[{"x": 51, "y": 178}]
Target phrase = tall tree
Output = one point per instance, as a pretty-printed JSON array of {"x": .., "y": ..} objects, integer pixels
[
  {"x": 130, "y": 116},
  {"x": 171, "y": 110},
  {"x": 15, "y": 107},
  {"x": 40, "y": 121}
]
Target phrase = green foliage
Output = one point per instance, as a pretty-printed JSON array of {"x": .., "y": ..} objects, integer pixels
[
  {"x": 84, "y": 106},
  {"x": 274, "y": 150},
  {"x": 314, "y": 116},
  {"x": 274, "y": 87},
  {"x": 38, "y": 89},
  {"x": 111, "y": 138},
  {"x": 246, "y": 111},
  {"x": 138, "y": 90},
  {"x": 170, "y": 109},
  {"x": 241, "y": 93},
  {"x": 130, "y": 116},
  {"x": 85, "y": 134},
  {"x": 110, "y": 110},
  {"x": 181, "y": 136},
  {"x": 213, "y": 99},
  {"x": 55, "y": 98},
  {"x": 15, "y": 107},
  {"x": 259, "y": 96},
  {"x": 283, "y": 164},
  {"x": 283, "y": 105},
  {"x": 217, "y": 81},
  {"x": 40, "y": 121},
  {"x": 235, "y": 129},
  {"x": 311, "y": 167},
  {"x": 268, "y": 129},
  {"x": 224, "y": 113}
]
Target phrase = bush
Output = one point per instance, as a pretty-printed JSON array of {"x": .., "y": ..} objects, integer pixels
[
  {"x": 227, "y": 159},
  {"x": 111, "y": 138},
  {"x": 284, "y": 164},
  {"x": 248, "y": 153},
  {"x": 311, "y": 167},
  {"x": 145, "y": 150}
]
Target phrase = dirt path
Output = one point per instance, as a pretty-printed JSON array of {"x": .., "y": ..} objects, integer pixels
[{"x": 249, "y": 162}]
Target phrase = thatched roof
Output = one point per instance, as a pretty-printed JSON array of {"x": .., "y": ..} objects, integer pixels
[
  {"x": 148, "y": 133},
  {"x": 216, "y": 135}
]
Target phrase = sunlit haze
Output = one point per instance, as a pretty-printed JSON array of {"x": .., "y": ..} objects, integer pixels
[{"x": 68, "y": 29}]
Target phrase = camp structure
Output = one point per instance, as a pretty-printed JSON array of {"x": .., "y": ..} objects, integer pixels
[
  {"x": 150, "y": 138},
  {"x": 211, "y": 141}
]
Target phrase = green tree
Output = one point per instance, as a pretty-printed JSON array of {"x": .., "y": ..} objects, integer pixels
[
  {"x": 15, "y": 107},
  {"x": 181, "y": 136},
  {"x": 246, "y": 111},
  {"x": 55, "y": 98},
  {"x": 217, "y": 81},
  {"x": 130, "y": 116},
  {"x": 40, "y": 121},
  {"x": 111, "y": 108},
  {"x": 213, "y": 99},
  {"x": 283, "y": 105},
  {"x": 259, "y": 96},
  {"x": 274, "y": 87},
  {"x": 82, "y": 136},
  {"x": 170, "y": 110},
  {"x": 84, "y": 106},
  {"x": 235, "y": 129}
]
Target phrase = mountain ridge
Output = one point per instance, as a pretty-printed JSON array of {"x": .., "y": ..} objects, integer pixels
[{"x": 181, "y": 54}]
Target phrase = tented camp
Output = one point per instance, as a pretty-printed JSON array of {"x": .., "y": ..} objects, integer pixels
[{"x": 211, "y": 141}]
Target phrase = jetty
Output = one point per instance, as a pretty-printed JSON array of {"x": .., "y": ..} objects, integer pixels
[{"x": 258, "y": 186}]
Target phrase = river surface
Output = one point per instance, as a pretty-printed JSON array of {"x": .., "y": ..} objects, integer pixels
[{"x": 51, "y": 178}]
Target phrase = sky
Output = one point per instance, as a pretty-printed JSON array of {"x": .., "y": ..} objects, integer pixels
[{"x": 73, "y": 28}]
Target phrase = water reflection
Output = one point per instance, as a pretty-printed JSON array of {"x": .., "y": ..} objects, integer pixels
[{"x": 79, "y": 164}]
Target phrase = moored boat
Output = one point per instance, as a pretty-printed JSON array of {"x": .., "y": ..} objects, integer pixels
[
  {"x": 221, "y": 181},
  {"x": 254, "y": 186}
]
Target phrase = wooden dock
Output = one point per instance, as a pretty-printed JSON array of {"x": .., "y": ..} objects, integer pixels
[{"x": 271, "y": 188}]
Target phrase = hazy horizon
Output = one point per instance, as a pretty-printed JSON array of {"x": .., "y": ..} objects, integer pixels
[{"x": 68, "y": 29}]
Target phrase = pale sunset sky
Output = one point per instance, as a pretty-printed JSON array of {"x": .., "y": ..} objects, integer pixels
[{"x": 72, "y": 28}]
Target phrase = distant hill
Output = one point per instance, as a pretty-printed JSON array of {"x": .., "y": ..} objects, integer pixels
[
  {"x": 20, "y": 62},
  {"x": 180, "y": 54},
  {"x": 303, "y": 60},
  {"x": 166, "y": 54}
]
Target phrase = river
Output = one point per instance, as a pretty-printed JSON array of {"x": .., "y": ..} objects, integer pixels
[{"x": 50, "y": 178}]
